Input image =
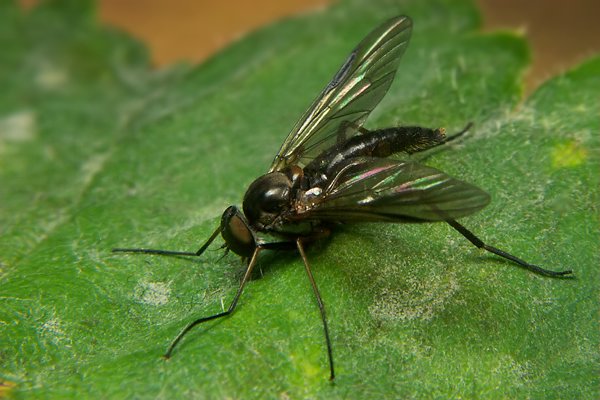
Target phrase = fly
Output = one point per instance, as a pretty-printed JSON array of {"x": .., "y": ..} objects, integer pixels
[{"x": 330, "y": 169}]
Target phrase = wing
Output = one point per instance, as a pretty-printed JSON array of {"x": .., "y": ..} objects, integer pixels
[
  {"x": 377, "y": 189},
  {"x": 354, "y": 91}
]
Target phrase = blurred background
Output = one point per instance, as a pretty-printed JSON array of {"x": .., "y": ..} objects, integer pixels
[{"x": 561, "y": 33}]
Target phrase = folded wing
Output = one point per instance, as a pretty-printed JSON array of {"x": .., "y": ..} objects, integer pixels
[{"x": 375, "y": 189}]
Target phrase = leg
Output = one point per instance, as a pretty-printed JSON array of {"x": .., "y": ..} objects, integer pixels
[
  {"x": 321, "y": 306},
  {"x": 428, "y": 143},
  {"x": 231, "y": 308},
  {"x": 171, "y": 252},
  {"x": 407, "y": 139},
  {"x": 456, "y": 135},
  {"x": 480, "y": 244}
]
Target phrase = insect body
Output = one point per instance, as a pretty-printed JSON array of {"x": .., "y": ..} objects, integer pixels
[{"x": 331, "y": 169}]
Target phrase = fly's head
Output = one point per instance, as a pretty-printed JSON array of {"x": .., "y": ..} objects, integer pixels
[
  {"x": 271, "y": 196},
  {"x": 237, "y": 233}
]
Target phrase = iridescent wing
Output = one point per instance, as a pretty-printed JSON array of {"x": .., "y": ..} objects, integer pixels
[
  {"x": 354, "y": 91},
  {"x": 377, "y": 189}
]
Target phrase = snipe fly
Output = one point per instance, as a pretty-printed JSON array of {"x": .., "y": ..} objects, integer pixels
[{"x": 330, "y": 169}]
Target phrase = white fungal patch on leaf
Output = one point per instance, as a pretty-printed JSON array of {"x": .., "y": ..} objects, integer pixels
[
  {"x": 51, "y": 77},
  {"x": 414, "y": 298},
  {"x": 153, "y": 293},
  {"x": 53, "y": 330},
  {"x": 18, "y": 127},
  {"x": 92, "y": 166}
]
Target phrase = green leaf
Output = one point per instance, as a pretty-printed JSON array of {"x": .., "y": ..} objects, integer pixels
[{"x": 98, "y": 150}]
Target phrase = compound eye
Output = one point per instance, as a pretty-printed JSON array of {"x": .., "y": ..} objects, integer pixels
[{"x": 236, "y": 233}]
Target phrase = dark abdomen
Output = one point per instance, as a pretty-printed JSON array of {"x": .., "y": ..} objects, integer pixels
[{"x": 378, "y": 143}]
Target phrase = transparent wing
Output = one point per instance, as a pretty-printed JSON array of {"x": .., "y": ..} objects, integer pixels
[
  {"x": 354, "y": 91},
  {"x": 376, "y": 189}
]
